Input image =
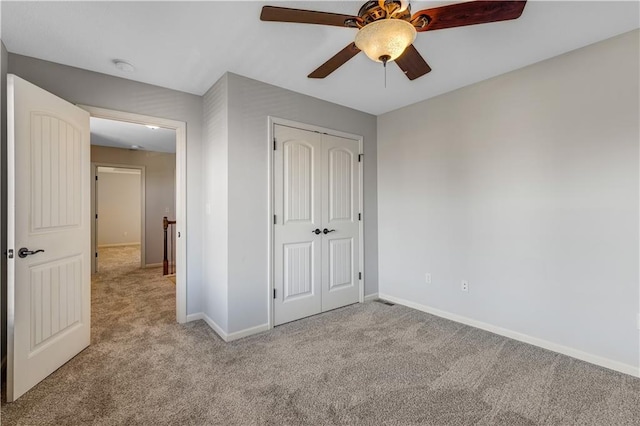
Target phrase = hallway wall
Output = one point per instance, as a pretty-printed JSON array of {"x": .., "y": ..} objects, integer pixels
[
  {"x": 160, "y": 183},
  {"x": 119, "y": 209}
]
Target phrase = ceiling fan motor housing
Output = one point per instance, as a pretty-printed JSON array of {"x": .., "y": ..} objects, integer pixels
[{"x": 373, "y": 11}]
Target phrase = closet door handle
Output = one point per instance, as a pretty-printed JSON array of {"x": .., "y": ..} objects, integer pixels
[
  {"x": 325, "y": 231},
  {"x": 317, "y": 231}
]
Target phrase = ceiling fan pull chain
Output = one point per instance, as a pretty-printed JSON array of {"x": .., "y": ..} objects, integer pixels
[{"x": 385, "y": 59}]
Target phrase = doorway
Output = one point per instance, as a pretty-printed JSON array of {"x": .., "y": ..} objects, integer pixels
[
  {"x": 316, "y": 189},
  {"x": 179, "y": 196},
  {"x": 49, "y": 233},
  {"x": 119, "y": 231}
]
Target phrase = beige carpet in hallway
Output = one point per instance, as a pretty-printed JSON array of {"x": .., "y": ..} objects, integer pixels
[{"x": 364, "y": 364}]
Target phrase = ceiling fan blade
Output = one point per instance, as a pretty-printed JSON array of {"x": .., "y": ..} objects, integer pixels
[
  {"x": 335, "y": 62},
  {"x": 285, "y": 14},
  {"x": 412, "y": 63},
  {"x": 470, "y": 13}
]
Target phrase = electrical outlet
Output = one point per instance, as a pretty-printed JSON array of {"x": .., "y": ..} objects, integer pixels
[
  {"x": 464, "y": 286},
  {"x": 427, "y": 278}
]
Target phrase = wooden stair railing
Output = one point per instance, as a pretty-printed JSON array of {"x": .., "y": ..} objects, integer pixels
[{"x": 169, "y": 259}]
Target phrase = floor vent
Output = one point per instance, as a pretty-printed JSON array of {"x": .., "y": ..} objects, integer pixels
[{"x": 384, "y": 302}]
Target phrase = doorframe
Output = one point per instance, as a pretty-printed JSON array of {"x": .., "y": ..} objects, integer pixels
[
  {"x": 181, "y": 191},
  {"x": 94, "y": 210},
  {"x": 272, "y": 121}
]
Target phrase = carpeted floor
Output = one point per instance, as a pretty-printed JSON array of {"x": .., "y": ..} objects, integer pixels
[{"x": 364, "y": 364}]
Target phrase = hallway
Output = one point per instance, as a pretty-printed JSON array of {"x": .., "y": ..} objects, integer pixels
[{"x": 122, "y": 292}]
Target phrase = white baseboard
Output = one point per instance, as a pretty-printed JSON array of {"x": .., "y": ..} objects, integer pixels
[
  {"x": 195, "y": 317},
  {"x": 153, "y": 265},
  {"x": 118, "y": 245},
  {"x": 214, "y": 326},
  {"x": 227, "y": 337},
  {"x": 555, "y": 347},
  {"x": 247, "y": 332},
  {"x": 370, "y": 297},
  {"x": 211, "y": 323}
]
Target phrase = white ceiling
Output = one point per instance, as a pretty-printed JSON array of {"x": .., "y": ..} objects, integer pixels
[
  {"x": 118, "y": 134},
  {"x": 187, "y": 46}
]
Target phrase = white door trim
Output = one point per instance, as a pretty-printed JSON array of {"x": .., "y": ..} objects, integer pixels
[
  {"x": 143, "y": 210},
  {"x": 181, "y": 191},
  {"x": 272, "y": 121}
]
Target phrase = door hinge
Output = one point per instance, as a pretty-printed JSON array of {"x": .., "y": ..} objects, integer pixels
[
  {"x": 360, "y": 158},
  {"x": 9, "y": 253},
  {"x": 274, "y": 293},
  {"x": 359, "y": 216},
  {"x": 275, "y": 222},
  {"x": 359, "y": 275},
  {"x": 274, "y": 144},
  {"x": 96, "y": 254},
  {"x": 96, "y": 215},
  {"x": 96, "y": 177}
]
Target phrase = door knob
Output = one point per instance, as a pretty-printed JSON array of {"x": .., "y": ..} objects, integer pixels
[
  {"x": 24, "y": 252},
  {"x": 317, "y": 231},
  {"x": 325, "y": 231}
]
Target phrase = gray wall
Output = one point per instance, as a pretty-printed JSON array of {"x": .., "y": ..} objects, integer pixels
[
  {"x": 160, "y": 183},
  {"x": 4, "y": 56},
  {"x": 527, "y": 186},
  {"x": 237, "y": 151},
  {"x": 90, "y": 88},
  {"x": 119, "y": 210},
  {"x": 216, "y": 199},
  {"x": 250, "y": 102}
]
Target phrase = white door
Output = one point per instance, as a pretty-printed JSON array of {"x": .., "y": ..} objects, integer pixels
[
  {"x": 298, "y": 213},
  {"x": 316, "y": 229},
  {"x": 49, "y": 291},
  {"x": 340, "y": 202}
]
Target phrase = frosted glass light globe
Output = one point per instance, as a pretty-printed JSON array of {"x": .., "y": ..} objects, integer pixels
[{"x": 386, "y": 37}]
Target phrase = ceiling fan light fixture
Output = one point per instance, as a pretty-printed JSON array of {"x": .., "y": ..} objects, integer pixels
[{"x": 385, "y": 38}]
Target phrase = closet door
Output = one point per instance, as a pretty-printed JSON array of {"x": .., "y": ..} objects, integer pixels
[
  {"x": 298, "y": 224},
  {"x": 340, "y": 207},
  {"x": 316, "y": 229}
]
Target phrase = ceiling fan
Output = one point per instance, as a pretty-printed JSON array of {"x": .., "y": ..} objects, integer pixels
[{"x": 387, "y": 29}]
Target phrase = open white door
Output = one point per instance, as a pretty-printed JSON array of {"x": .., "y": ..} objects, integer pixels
[{"x": 49, "y": 291}]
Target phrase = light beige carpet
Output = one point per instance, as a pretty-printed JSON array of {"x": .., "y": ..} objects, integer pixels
[{"x": 365, "y": 364}]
